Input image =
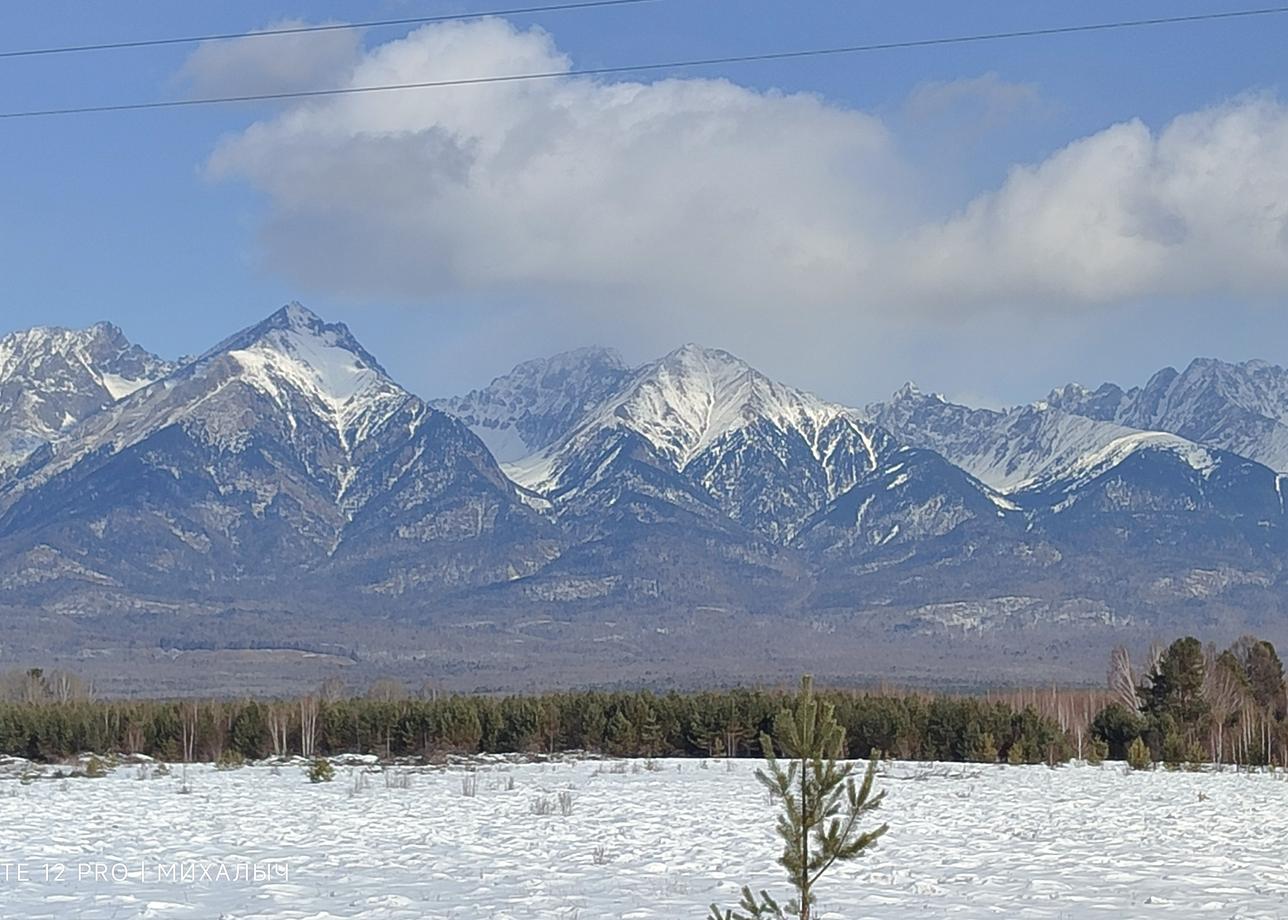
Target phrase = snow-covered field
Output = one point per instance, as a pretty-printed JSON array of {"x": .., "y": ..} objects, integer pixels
[{"x": 965, "y": 842}]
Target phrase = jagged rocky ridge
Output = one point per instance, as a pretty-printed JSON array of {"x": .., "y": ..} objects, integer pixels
[
  {"x": 51, "y": 379},
  {"x": 285, "y": 468},
  {"x": 1242, "y": 408}
]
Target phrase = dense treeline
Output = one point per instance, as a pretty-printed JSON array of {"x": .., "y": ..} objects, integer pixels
[
  {"x": 43, "y": 724},
  {"x": 1194, "y": 704},
  {"x": 1189, "y": 704}
]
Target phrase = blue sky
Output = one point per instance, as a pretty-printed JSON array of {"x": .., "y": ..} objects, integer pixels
[{"x": 182, "y": 226}]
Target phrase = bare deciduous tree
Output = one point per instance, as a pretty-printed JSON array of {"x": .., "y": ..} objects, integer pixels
[
  {"x": 279, "y": 722},
  {"x": 309, "y": 708},
  {"x": 333, "y": 689},
  {"x": 387, "y": 690},
  {"x": 1225, "y": 696},
  {"x": 65, "y": 687},
  {"x": 1122, "y": 680},
  {"x": 188, "y": 715}
]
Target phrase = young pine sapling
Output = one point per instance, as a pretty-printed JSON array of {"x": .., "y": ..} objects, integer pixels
[{"x": 821, "y": 805}]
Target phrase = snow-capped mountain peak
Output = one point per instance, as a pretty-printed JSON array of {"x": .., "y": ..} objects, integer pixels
[
  {"x": 325, "y": 390},
  {"x": 708, "y": 423},
  {"x": 693, "y": 396},
  {"x": 540, "y": 401},
  {"x": 52, "y": 378},
  {"x": 296, "y": 352},
  {"x": 71, "y": 361},
  {"x": 297, "y": 321},
  {"x": 909, "y": 391}
]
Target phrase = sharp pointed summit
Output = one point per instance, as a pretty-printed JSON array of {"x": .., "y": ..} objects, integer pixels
[
  {"x": 294, "y": 353},
  {"x": 294, "y": 324}
]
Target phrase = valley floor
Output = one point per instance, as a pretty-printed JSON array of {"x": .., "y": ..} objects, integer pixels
[{"x": 966, "y": 841}]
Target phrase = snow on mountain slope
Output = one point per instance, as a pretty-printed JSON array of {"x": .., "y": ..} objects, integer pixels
[
  {"x": 774, "y": 478},
  {"x": 1242, "y": 408},
  {"x": 52, "y": 378},
  {"x": 917, "y": 495},
  {"x": 1093, "y": 463},
  {"x": 327, "y": 388},
  {"x": 694, "y": 396},
  {"x": 1161, "y": 472},
  {"x": 686, "y": 401},
  {"x": 767, "y": 454},
  {"x": 285, "y": 446},
  {"x": 1049, "y": 460},
  {"x": 1008, "y": 450},
  {"x": 539, "y": 401}
]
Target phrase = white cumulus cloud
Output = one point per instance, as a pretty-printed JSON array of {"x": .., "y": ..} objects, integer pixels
[
  {"x": 678, "y": 190},
  {"x": 1200, "y": 207},
  {"x": 595, "y": 198}
]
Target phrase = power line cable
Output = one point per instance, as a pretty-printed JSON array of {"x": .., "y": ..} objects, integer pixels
[
  {"x": 324, "y": 27},
  {"x": 653, "y": 66}
]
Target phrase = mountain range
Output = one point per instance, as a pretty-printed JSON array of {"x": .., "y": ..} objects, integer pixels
[{"x": 283, "y": 489}]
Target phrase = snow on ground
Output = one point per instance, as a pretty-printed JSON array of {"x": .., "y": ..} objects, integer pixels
[{"x": 965, "y": 842}]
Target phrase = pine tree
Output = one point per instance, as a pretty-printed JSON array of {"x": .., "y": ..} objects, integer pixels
[
  {"x": 1264, "y": 673},
  {"x": 651, "y": 740},
  {"x": 821, "y": 805},
  {"x": 1016, "y": 756},
  {"x": 1138, "y": 755},
  {"x": 1175, "y": 685},
  {"x": 1117, "y": 726},
  {"x": 620, "y": 734},
  {"x": 980, "y": 746}
]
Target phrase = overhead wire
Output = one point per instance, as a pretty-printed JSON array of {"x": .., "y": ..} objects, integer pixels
[
  {"x": 320, "y": 27},
  {"x": 645, "y": 67}
]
